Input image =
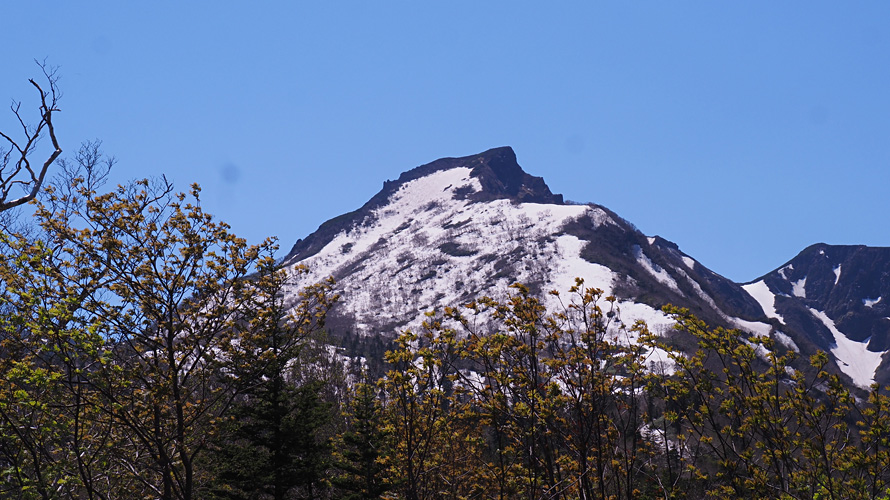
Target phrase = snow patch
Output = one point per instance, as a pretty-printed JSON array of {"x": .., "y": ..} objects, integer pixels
[
  {"x": 689, "y": 261},
  {"x": 657, "y": 321},
  {"x": 594, "y": 275},
  {"x": 870, "y": 302},
  {"x": 754, "y": 327},
  {"x": 539, "y": 212},
  {"x": 651, "y": 240},
  {"x": 853, "y": 358},
  {"x": 799, "y": 288},
  {"x": 837, "y": 274},
  {"x": 761, "y": 293},
  {"x": 759, "y": 350},
  {"x": 789, "y": 267},
  {"x": 658, "y": 361},
  {"x": 599, "y": 217}
]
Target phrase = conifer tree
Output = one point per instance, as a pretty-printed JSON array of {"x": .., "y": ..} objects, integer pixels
[
  {"x": 271, "y": 447},
  {"x": 271, "y": 444},
  {"x": 362, "y": 448}
]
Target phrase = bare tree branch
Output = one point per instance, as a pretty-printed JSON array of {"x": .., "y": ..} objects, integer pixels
[{"x": 15, "y": 161}]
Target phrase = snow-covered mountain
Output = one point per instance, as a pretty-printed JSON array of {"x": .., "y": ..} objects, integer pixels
[{"x": 460, "y": 228}]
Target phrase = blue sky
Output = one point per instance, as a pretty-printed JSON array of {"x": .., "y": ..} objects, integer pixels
[{"x": 742, "y": 131}]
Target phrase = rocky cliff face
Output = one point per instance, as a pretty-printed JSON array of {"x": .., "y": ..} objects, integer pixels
[{"x": 459, "y": 228}]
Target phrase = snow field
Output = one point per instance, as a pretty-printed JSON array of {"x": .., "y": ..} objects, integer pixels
[{"x": 799, "y": 288}]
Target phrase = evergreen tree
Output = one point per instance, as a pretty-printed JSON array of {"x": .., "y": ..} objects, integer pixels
[
  {"x": 271, "y": 446},
  {"x": 362, "y": 448}
]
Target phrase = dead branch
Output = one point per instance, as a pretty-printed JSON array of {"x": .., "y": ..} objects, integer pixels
[{"x": 16, "y": 170}]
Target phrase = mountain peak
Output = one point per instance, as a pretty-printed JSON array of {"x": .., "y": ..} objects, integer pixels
[
  {"x": 497, "y": 171},
  {"x": 501, "y": 176}
]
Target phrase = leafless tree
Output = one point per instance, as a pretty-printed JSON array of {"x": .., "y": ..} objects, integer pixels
[{"x": 16, "y": 170}]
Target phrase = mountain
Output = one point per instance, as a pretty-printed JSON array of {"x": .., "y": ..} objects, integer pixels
[
  {"x": 836, "y": 297},
  {"x": 460, "y": 228}
]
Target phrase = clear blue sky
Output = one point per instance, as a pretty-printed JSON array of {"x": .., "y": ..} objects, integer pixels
[{"x": 742, "y": 131}]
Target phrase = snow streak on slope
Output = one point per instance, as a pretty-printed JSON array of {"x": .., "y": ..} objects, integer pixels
[
  {"x": 786, "y": 341},
  {"x": 789, "y": 267},
  {"x": 767, "y": 299},
  {"x": 654, "y": 269},
  {"x": 853, "y": 358},
  {"x": 755, "y": 327},
  {"x": 429, "y": 246}
]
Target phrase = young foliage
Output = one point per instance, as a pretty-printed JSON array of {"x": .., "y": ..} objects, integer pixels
[
  {"x": 417, "y": 416},
  {"x": 519, "y": 402},
  {"x": 54, "y": 441},
  {"x": 759, "y": 427}
]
